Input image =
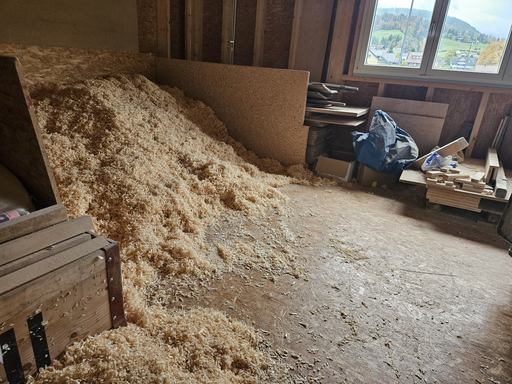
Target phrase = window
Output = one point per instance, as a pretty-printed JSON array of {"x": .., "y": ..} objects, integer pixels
[{"x": 441, "y": 40}]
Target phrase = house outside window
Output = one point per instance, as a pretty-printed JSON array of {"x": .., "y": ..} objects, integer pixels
[{"x": 463, "y": 41}]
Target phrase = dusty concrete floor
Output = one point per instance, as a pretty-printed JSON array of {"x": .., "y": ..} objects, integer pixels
[{"x": 392, "y": 293}]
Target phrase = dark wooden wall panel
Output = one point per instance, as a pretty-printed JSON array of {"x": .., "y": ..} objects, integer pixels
[
  {"x": 212, "y": 30},
  {"x": 407, "y": 92},
  {"x": 244, "y": 31},
  {"x": 498, "y": 106},
  {"x": 461, "y": 112},
  {"x": 363, "y": 97},
  {"x": 146, "y": 19},
  {"x": 278, "y": 33},
  {"x": 177, "y": 20}
]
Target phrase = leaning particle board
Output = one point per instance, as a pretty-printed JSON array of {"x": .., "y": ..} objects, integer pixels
[
  {"x": 340, "y": 111},
  {"x": 338, "y": 120},
  {"x": 491, "y": 165},
  {"x": 22, "y": 246},
  {"x": 21, "y": 144},
  {"x": 425, "y": 130},
  {"x": 447, "y": 150},
  {"x": 263, "y": 108}
]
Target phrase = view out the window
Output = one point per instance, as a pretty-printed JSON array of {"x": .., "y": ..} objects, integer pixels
[{"x": 473, "y": 38}]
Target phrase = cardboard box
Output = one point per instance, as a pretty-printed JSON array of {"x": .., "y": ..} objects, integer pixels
[
  {"x": 341, "y": 168},
  {"x": 367, "y": 177}
]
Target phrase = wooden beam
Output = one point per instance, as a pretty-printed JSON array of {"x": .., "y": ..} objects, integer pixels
[
  {"x": 197, "y": 45},
  {"x": 189, "y": 10},
  {"x": 478, "y": 123},
  {"x": 164, "y": 30},
  {"x": 228, "y": 31},
  {"x": 430, "y": 93},
  {"x": 381, "y": 89},
  {"x": 297, "y": 19},
  {"x": 340, "y": 40},
  {"x": 259, "y": 33},
  {"x": 362, "y": 5}
]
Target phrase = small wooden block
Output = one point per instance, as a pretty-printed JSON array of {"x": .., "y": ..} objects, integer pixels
[
  {"x": 454, "y": 176},
  {"x": 444, "y": 169},
  {"x": 478, "y": 177},
  {"x": 449, "y": 183},
  {"x": 431, "y": 181},
  {"x": 453, "y": 170},
  {"x": 434, "y": 174}
]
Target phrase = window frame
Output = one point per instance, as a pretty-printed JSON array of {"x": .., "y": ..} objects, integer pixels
[{"x": 425, "y": 71}]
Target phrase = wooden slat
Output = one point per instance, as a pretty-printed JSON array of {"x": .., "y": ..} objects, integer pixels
[
  {"x": 430, "y": 94},
  {"x": 43, "y": 254},
  {"x": 339, "y": 120},
  {"x": 411, "y": 176},
  {"x": 359, "y": 24},
  {"x": 478, "y": 123},
  {"x": 72, "y": 299},
  {"x": 259, "y": 33},
  {"x": 42, "y": 267},
  {"x": 340, "y": 111},
  {"x": 197, "y": 34},
  {"x": 36, "y": 221},
  {"x": 164, "y": 30},
  {"x": 228, "y": 31},
  {"x": 500, "y": 189},
  {"x": 22, "y": 246},
  {"x": 381, "y": 89},
  {"x": 447, "y": 150},
  {"x": 310, "y": 33},
  {"x": 340, "y": 54}
]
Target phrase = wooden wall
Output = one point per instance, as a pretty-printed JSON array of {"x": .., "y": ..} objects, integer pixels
[{"x": 322, "y": 36}]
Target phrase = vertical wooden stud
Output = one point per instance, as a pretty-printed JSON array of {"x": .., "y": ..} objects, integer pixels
[
  {"x": 197, "y": 45},
  {"x": 297, "y": 18},
  {"x": 164, "y": 28},
  {"x": 228, "y": 31},
  {"x": 189, "y": 10},
  {"x": 381, "y": 89},
  {"x": 478, "y": 123},
  {"x": 362, "y": 5},
  {"x": 340, "y": 41},
  {"x": 259, "y": 33},
  {"x": 430, "y": 94}
]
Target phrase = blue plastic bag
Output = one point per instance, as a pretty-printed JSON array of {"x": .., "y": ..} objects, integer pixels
[{"x": 386, "y": 148}]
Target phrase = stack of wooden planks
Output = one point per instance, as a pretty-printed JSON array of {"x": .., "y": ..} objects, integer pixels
[
  {"x": 467, "y": 185},
  {"x": 323, "y": 109}
]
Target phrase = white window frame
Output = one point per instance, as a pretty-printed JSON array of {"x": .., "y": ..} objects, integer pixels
[{"x": 425, "y": 71}]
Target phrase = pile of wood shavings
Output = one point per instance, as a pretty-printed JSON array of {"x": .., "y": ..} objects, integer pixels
[{"x": 154, "y": 169}]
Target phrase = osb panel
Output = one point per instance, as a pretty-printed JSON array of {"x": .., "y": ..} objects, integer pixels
[
  {"x": 406, "y": 92},
  {"x": 244, "y": 31},
  {"x": 146, "y": 17},
  {"x": 278, "y": 33},
  {"x": 177, "y": 21},
  {"x": 212, "y": 30},
  {"x": 498, "y": 106},
  {"x": 267, "y": 119},
  {"x": 363, "y": 97},
  {"x": 463, "y": 107},
  {"x": 64, "y": 65}
]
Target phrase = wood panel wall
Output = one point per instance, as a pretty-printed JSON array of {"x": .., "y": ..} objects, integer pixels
[{"x": 475, "y": 111}]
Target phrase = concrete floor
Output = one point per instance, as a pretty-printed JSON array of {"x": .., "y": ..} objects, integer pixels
[{"x": 392, "y": 294}]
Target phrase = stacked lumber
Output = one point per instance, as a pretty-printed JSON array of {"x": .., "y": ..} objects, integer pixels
[
  {"x": 318, "y": 142},
  {"x": 322, "y": 108}
]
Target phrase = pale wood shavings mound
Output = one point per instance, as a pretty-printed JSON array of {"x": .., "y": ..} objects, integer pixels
[{"x": 198, "y": 346}]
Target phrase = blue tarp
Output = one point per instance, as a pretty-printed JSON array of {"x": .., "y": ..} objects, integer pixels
[{"x": 386, "y": 148}]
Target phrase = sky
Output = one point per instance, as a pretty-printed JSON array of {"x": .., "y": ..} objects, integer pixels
[{"x": 488, "y": 16}]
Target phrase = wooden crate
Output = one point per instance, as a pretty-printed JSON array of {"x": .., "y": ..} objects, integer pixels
[
  {"x": 55, "y": 295},
  {"x": 22, "y": 152}
]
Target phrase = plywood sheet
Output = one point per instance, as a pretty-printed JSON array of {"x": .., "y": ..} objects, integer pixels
[
  {"x": 409, "y": 107},
  {"x": 92, "y": 24},
  {"x": 340, "y": 111},
  {"x": 262, "y": 108},
  {"x": 424, "y": 130},
  {"x": 65, "y": 65}
]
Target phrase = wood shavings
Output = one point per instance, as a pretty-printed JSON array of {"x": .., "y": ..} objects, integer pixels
[{"x": 154, "y": 170}]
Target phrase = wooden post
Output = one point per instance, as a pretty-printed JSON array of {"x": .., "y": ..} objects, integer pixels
[
  {"x": 194, "y": 30},
  {"x": 381, "y": 89},
  {"x": 189, "y": 10},
  {"x": 259, "y": 33},
  {"x": 356, "y": 36},
  {"x": 164, "y": 30},
  {"x": 478, "y": 123},
  {"x": 340, "y": 41},
  {"x": 430, "y": 94},
  {"x": 297, "y": 18},
  {"x": 228, "y": 31}
]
